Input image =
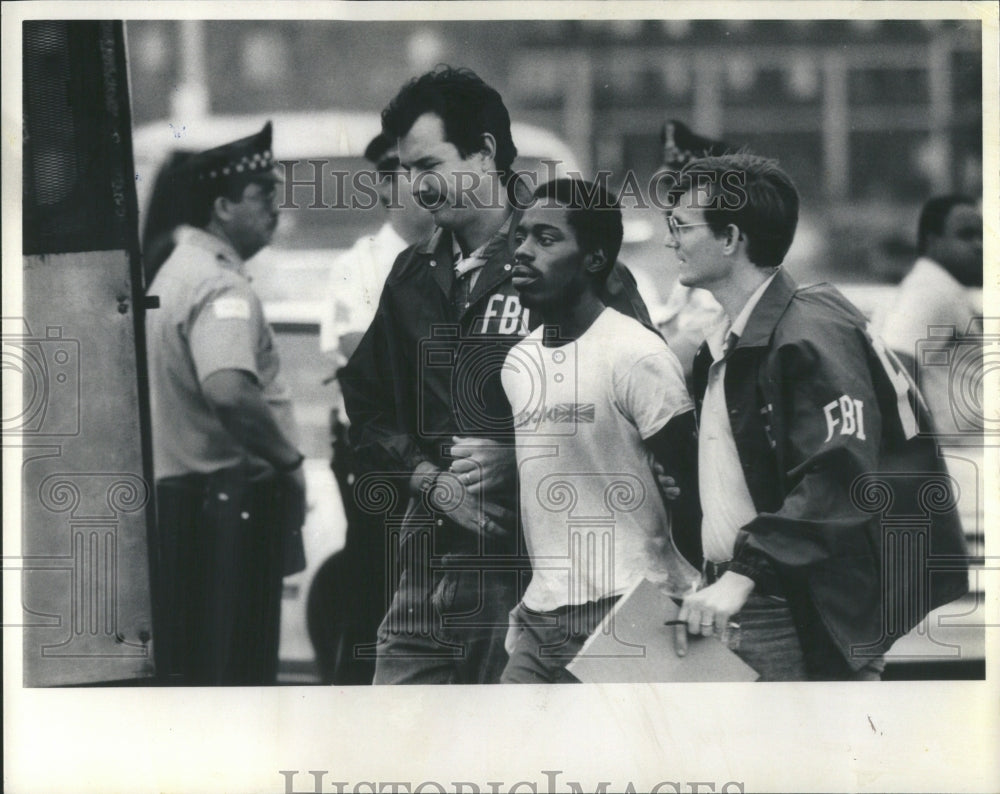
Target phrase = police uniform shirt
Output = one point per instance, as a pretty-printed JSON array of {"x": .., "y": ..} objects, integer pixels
[{"x": 209, "y": 320}]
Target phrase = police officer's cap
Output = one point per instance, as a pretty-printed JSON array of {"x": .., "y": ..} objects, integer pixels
[
  {"x": 681, "y": 145},
  {"x": 247, "y": 157}
]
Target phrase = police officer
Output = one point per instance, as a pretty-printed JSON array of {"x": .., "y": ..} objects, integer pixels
[{"x": 230, "y": 487}]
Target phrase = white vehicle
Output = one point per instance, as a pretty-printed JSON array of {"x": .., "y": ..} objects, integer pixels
[{"x": 291, "y": 275}]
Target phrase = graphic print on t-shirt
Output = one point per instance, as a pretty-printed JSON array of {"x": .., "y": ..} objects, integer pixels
[{"x": 592, "y": 513}]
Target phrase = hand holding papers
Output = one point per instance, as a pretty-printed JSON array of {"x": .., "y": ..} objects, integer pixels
[{"x": 632, "y": 645}]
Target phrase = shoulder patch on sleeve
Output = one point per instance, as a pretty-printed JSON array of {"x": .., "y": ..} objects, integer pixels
[{"x": 230, "y": 308}]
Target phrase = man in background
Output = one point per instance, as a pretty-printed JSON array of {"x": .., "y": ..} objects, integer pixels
[
  {"x": 229, "y": 482},
  {"x": 935, "y": 296},
  {"x": 358, "y": 275}
]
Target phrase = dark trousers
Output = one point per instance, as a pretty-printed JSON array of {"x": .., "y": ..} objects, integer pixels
[
  {"x": 768, "y": 641},
  {"x": 217, "y": 580},
  {"x": 447, "y": 621},
  {"x": 541, "y": 644}
]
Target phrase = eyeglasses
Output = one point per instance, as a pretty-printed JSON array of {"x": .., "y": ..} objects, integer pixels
[{"x": 675, "y": 228}]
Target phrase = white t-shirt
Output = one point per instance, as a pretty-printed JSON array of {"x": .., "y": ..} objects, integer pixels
[
  {"x": 593, "y": 517},
  {"x": 931, "y": 319}
]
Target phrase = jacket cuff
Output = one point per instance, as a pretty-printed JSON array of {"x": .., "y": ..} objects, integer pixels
[{"x": 757, "y": 566}]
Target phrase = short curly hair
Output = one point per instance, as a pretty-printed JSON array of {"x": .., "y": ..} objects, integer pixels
[
  {"x": 468, "y": 107},
  {"x": 752, "y": 193},
  {"x": 594, "y": 214}
]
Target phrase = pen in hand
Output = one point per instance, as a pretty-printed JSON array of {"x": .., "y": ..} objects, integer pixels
[{"x": 729, "y": 636}]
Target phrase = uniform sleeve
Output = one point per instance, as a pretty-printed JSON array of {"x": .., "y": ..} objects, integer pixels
[
  {"x": 371, "y": 383},
  {"x": 829, "y": 433},
  {"x": 224, "y": 330},
  {"x": 652, "y": 390}
]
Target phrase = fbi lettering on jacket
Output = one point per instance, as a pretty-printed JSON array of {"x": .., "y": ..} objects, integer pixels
[{"x": 845, "y": 416}]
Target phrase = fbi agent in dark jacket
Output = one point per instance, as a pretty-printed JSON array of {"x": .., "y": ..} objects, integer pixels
[
  {"x": 428, "y": 413},
  {"x": 229, "y": 483},
  {"x": 806, "y": 434}
]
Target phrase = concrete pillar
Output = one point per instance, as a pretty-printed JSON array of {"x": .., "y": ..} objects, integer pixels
[
  {"x": 578, "y": 109},
  {"x": 836, "y": 128},
  {"x": 941, "y": 110},
  {"x": 707, "y": 113},
  {"x": 191, "y": 99}
]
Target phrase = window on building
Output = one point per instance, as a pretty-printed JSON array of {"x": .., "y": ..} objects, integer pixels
[{"x": 884, "y": 86}]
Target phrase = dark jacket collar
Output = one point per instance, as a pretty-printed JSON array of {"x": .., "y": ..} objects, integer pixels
[
  {"x": 759, "y": 328},
  {"x": 433, "y": 243},
  {"x": 440, "y": 242},
  {"x": 765, "y": 315},
  {"x": 439, "y": 246}
]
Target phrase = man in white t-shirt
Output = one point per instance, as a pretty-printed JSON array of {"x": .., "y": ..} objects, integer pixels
[
  {"x": 936, "y": 312},
  {"x": 597, "y": 399}
]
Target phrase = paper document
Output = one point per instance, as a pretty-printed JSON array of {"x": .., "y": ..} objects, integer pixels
[{"x": 633, "y": 646}]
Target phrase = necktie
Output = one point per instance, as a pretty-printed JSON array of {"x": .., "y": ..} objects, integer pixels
[
  {"x": 461, "y": 285},
  {"x": 729, "y": 344},
  {"x": 460, "y": 291}
]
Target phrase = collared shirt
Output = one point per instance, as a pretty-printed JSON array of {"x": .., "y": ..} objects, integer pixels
[
  {"x": 356, "y": 281},
  {"x": 473, "y": 263},
  {"x": 225, "y": 255},
  {"x": 719, "y": 469},
  {"x": 209, "y": 319}
]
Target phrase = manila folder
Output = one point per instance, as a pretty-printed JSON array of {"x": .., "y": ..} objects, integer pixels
[{"x": 632, "y": 646}]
